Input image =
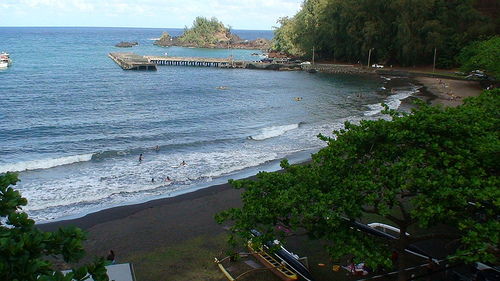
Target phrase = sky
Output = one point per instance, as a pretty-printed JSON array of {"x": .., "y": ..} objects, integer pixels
[{"x": 237, "y": 14}]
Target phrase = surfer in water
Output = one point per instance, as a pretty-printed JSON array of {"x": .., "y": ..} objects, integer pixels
[
  {"x": 141, "y": 158},
  {"x": 183, "y": 163}
]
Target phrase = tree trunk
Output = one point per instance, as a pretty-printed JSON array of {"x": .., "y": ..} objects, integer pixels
[{"x": 401, "y": 264}]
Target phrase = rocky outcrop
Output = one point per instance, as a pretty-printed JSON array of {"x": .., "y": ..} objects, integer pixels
[
  {"x": 123, "y": 44},
  {"x": 257, "y": 44},
  {"x": 165, "y": 40},
  {"x": 223, "y": 41}
]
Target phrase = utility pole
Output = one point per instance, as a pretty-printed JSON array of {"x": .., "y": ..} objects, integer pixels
[
  {"x": 313, "y": 57},
  {"x": 434, "y": 64},
  {"x": 369, "y": 57}
]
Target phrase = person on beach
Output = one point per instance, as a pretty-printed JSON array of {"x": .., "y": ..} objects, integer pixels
[
  {"x": 141, "y": 158},
  {"x": 110, "y": 258}
]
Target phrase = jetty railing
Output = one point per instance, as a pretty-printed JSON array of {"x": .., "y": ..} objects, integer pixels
[{"x": 197, "y": 61}]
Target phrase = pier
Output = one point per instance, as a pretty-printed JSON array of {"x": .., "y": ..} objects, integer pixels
[{"x": 131, "y": 61}]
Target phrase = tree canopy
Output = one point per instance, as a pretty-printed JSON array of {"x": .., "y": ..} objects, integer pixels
[
  {"x": 429, "y": 167},
  {"x": 397, "y": 31},
  {"x": 24, "y": 249},
  {"x": 482, "y": 55},
  {"x": 205, "y": 31}
]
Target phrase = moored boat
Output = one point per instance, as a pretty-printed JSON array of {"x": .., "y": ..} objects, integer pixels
[{"x": 4, "y": 60}]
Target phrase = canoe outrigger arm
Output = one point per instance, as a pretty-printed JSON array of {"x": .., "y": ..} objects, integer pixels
[{"x": 231, "y": 278}]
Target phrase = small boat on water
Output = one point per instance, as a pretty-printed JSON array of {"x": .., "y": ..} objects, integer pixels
[{"x": 4, "y": 60}]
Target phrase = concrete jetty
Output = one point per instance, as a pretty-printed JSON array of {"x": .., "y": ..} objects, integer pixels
[
  {"x": 135, "y": 62},
  {"x": 131, "y": 61}
]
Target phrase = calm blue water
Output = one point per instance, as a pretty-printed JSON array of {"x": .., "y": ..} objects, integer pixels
[{"x": 73, "y": 123}]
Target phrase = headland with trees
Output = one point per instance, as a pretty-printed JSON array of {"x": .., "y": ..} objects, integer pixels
[{"x": 211, "y": 33}]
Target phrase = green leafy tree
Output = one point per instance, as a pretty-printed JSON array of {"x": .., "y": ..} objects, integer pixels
[
  {"x": 205, "y": 32},
  {"x": 401, "y": 31},
  {"x": 430, "y": 167},
  {"x": 24, "y": 248},
  {"x": 284, "y": 37},
  {"x": 482, "y": 55}
]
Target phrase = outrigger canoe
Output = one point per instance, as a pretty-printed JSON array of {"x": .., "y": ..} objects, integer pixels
[
  {"x": 266, "y": 259},
  {"x": 279, "y": 269},
  {"x": 289, "y": 258}
]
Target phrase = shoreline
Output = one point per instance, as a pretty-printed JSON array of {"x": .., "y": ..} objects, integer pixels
[
  {"x": 157, "y": 236},
  {"x": 449, "y": 92},
  {"x": 119, "y": 212},
  {"x": 89, "y": 219}
]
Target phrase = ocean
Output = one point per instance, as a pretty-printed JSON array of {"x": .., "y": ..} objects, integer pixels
[{"x": 73, "y": 123}]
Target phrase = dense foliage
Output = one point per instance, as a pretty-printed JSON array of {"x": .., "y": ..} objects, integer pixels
[
  {"x": 397, "y": 31},
  {"x": 205, "y": 32},
  {"x": 430, "y": 167},
  {"x": 482, "y": 55},
  {"x": 24, "y": 248}
]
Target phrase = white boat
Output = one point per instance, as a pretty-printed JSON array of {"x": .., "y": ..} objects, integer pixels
[{"x": 4, "y": 60}]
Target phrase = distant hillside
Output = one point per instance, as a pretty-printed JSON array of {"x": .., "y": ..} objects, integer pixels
[{"x": 210, "y": 34}]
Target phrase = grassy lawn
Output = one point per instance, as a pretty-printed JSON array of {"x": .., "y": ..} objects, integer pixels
[{"x": 193, "y": 259}]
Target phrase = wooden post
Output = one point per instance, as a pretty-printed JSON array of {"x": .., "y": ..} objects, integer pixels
[
  {"x": 434, "y": 64},
  {"x": 369, "y": 57}
]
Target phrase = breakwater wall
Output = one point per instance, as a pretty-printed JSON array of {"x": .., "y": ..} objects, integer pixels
[
  {"x": 131, "y": 61},
  {"x": 340, "y": 68}
]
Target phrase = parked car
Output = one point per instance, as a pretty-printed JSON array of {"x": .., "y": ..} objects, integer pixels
[{"x": 477, "y": 74}]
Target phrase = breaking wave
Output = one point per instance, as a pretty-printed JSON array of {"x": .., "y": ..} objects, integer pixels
[
  {"x": 44, "y": 163},
  {"x": 274, "y": 131}
]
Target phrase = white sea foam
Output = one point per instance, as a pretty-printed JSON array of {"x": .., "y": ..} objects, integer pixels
[
  {"x": 274, "y": 131},
  {"x": 44, "y": 163},
  {"x": 393, "y": 102}
]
